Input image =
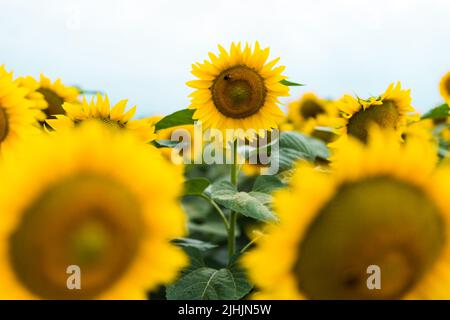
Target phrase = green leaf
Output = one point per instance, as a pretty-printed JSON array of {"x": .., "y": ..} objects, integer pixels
[
  {"x": 210, "y": 284},
  {"x": 291, "y": 84},
  {"x": 195, "y": 186},
  {"x": 441, "y": 111},
  {"x": 193, "y": 243},
  {"x": 267, "y": 184},
  {"x": 166, "y": 143},
  {"x": 250, "y": 205},
  {"x": 210, "y": 228},
  {"x": 175, "y": 119},
  {"x": 295, "y": 146}
]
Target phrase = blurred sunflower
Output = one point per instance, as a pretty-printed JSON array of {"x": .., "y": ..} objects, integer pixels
[
  {"x": 310, "y": 112},
  {"x": 383, "y": 205},
  {"x": 389, "y": 111},
  {"x": 238, "y": 90},
  {"x": 17, "y": 120},
  {"x": 444, "y": 87},
  {"x": 418, "y": 128},
  {"x": 101, "y": 109},
  {"x": 101, "y": 209},
  {"x": 48, "y": 96}
]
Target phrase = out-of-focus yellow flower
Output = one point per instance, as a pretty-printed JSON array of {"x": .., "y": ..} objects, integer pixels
[
  {"x": 100, "y": 109},
  {"x": 238, "y": 90},
  {"x": 109, "y": 206},
  {"x": 48, "y": 96},
  {"x": 444, "y": 87},
  {"x": 389, "y": 111},
  {"x": 17, "y": 120},
  {"x": 310, "y": 112},
  {"x": 384, "y": 205}
]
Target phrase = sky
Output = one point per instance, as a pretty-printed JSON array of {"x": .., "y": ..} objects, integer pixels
[{"x": 142, "y": 50}]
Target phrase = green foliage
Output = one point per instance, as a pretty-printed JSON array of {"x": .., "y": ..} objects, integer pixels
[
  {"x": 200, "y": 282},
  {"x": 195, "y": 186},
  {"x": 178, "y": 118},
  {"x": 439, "y": 112},
  {"x": 249, "y": 204},
  {"x": 291, "y": 84},
  {"x": 193, "y": 243}
]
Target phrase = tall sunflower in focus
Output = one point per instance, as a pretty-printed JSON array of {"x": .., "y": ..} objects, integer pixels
[
  {"x": 101, "y": 109},
  {"x": 388, "y": 111},
  {"x": 310, "y": 112},
  {"x": 383, "y": 205},
  {"x": 109, "y": 213},
  {"x": 17, "y": 120},
  {"x": 444, "y": 87},
  {"x": 238, "y": 90},
  {"x": 48, "y": 96}
]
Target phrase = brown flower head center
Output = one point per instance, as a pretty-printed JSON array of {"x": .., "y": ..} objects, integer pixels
[
  {"x": 311, "y": 109},
  {"x": 89, "y": 221},
  {"x": 385, "y": 115},
  {"x": 379, "y": 221},
  {"x": 239, "y": 92},
  {"x": 54, "y": 102},
  {"x": 4, "y": 125},
  {"x": 447, "y": 85}
]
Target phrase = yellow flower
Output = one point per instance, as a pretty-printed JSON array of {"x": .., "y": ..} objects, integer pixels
[
  {"x": 444, "y": 86},
  {"x": 100, "y": 109},
  {"x": 48, "y": 96},
  {"x": 389, "y": 111},
  {"x": 418, "y": 128},
  {"x": 383, "y": 205},
  {"x": 109, "y": 206},
  {"x": 17, "y": 120},
  {"x": 238, "y": 90},
  {"x": 310, "y": 112}
]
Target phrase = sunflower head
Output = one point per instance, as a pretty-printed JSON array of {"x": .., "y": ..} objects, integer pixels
[
  {"x": 444, "y": 86},
  {"x": 311, "y": 112},
  {"x": 238, "y": 90},
  {"x": 101, "y": 110},
  {"x": 102, "y": 210},
  {"x": 370, "y": 211},
  {"x": 48, "y": 96},
  {"x": 17, "y": 119},
  {"x": 388, "y": 111}
]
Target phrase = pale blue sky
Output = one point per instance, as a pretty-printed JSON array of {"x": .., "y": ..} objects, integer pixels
[{"x": 142, "y": 50}]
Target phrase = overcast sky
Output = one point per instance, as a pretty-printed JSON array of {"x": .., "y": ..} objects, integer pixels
[{"x": 143, "y": 49}]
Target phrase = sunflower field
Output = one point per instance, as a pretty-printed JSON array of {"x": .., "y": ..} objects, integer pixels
[{"x": 236, "y": 196}]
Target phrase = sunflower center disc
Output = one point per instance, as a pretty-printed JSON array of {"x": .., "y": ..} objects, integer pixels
[
  {"x": 4, "y": 126},
  {"x": 379, "y": 221},
  {"x": 385, "y": 116},
  {"x": 239, "y": 92},
  {"x": 54, "y": 101},
  {"x": 447, "y": 85},
  {"x": 89, "y": 221},
  {"x": 311, "y": 109}
]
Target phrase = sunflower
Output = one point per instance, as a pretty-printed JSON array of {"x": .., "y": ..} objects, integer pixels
[
  {"x": 388, "y": 111},
  {"x": 17, "y": 120},
  {"x": 238, "y": 90},
  {"x": 101, "y": 109},
  {"x": 310, "y": 112},
  {"x": 418, "y": 128},
  {"x": 384, "y": 205},
  {"x": 48, "y": 96},
  {"x": 444, "y": 87},
  {"x": 109, "y": 213}
]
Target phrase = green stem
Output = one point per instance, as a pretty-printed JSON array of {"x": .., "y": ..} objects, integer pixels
[
  {"x": 233, "y": 215},
  {"x": 219, "y": 211}
]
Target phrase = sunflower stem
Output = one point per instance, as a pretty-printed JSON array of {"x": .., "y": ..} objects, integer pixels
[
  {"x": 233, "y": 214},
  {"x": 219, "y": 211}
]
